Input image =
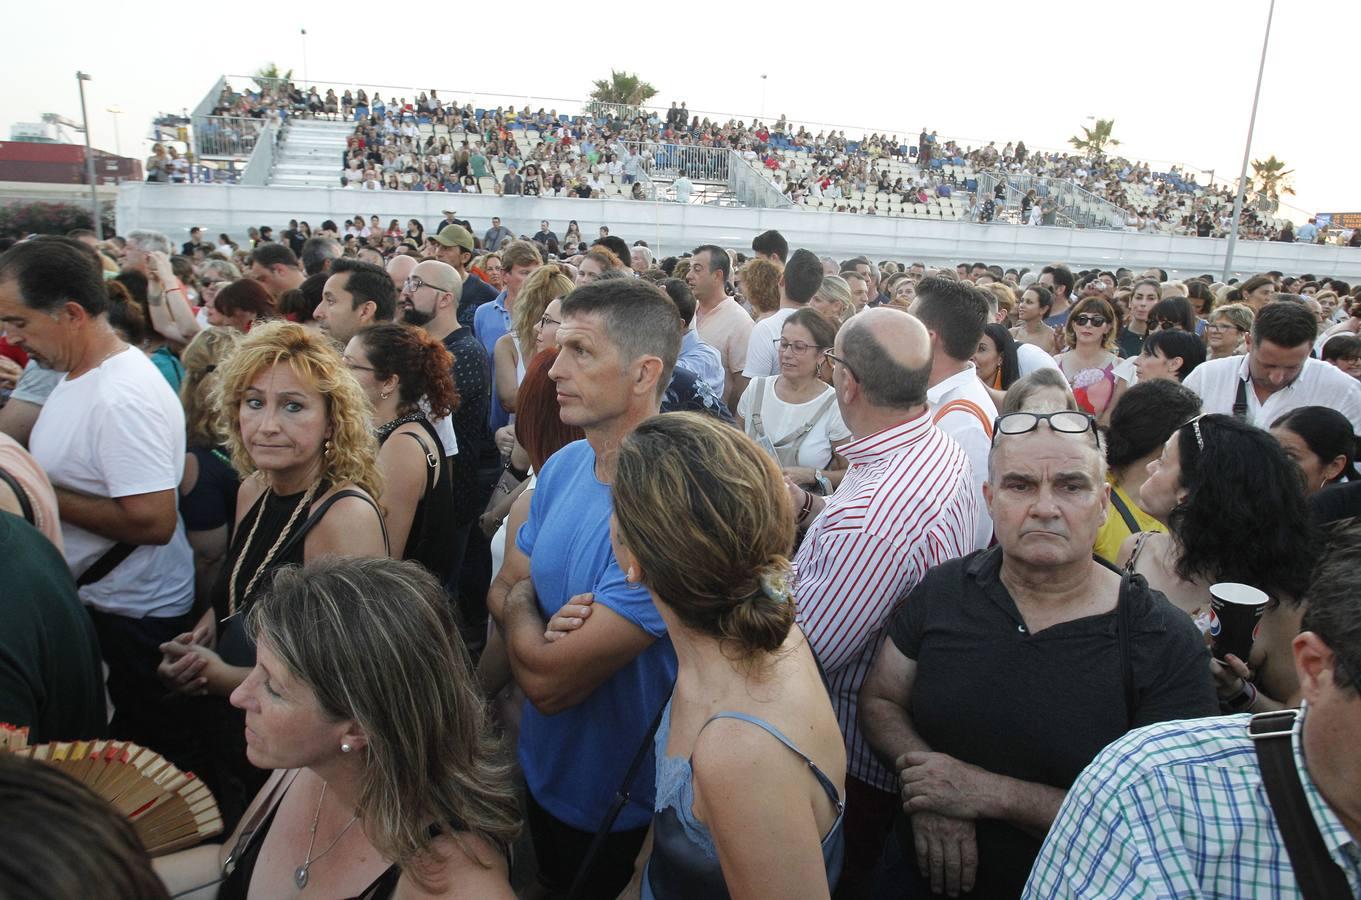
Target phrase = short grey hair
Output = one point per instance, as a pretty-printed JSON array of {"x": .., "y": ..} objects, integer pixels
[
  {"x": 644, "y": 252},
  {"x": 222, "y": 269},
  {"x": 151, "y": 242}
]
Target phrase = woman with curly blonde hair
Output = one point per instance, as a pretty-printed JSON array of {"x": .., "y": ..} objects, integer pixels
[
  {"x": 296, "y": 424},
  {"x": 761, "y": 286}
]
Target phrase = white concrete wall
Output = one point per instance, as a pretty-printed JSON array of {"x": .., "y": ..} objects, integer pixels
[{"x": 670, "y": 228}]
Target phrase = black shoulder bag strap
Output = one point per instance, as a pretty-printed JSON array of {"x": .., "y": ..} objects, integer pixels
[
  {"x": 1240, "y": 401},
  {"x": 105, "y": 564},
  {"x": 621, "y": 798},
  {"x": 1316, "y": 874},
  {"x": 1122, "y": 631},
  {"x": 320, "y": 511},
  {"x": 1123, "y": 509},
  {"x": 25, "y": 505}
]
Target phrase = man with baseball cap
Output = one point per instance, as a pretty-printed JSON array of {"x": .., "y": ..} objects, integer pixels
[{"x": 454, "y": 245}]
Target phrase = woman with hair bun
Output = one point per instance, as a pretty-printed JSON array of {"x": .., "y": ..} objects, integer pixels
[
  {"x": 405, "y": 374},
  {"x": 1321, "y": 442},
  {"x": 751, "y": 765}
]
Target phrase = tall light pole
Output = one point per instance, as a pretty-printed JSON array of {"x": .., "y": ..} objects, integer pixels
[
  {"x": 98, "y": 227},
  {"x": 304, "y": 58},
  {"x": 1247, "y": 151},
  {"x": 763, "y": 97},
  {"x": 117, "y": 138}
]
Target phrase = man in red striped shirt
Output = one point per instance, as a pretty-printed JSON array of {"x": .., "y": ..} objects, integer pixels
[{"x": 906, "y": 504}]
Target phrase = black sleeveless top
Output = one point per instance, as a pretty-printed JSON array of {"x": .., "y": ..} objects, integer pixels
[
  {"x": 433, "y": 525},
  {"x": 236, "y": 884}
]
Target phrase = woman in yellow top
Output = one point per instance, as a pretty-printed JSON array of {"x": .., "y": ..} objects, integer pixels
[{"x": 1142, "y": 422}]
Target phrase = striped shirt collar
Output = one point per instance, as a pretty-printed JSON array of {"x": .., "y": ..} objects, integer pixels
[
  {"x": 888, "y": 441},
  {"x": 1335, "y": 835}
]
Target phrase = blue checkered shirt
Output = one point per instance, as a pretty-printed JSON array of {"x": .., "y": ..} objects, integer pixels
[{"x": 1179, "y": 810}]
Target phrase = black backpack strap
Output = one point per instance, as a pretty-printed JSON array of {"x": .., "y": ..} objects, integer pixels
[
  {"x": 1316, "y": 874},
  {"x": 105, "y": 564},
  {"x": 320, "y": 511},
  {"x": 25, "y": 504},
  {"x": 1123, "y": 509}
]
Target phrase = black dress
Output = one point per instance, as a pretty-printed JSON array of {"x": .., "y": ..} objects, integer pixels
[{"x": 433, "y": 525}]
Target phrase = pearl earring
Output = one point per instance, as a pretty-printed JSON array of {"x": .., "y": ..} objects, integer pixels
[{"x": 345, "y": 748}]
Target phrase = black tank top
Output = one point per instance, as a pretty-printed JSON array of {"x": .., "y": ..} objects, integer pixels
[
  {"x": 236, "y": 884},
  {"x": 433, "y": 525}
]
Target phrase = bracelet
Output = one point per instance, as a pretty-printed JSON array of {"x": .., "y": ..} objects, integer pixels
[
  {"x": 519, "y": 474},
  {"x": 173, "y": 290},
  {"x": 807, "y": 505},
  {"x": 1243, "y": 700}
]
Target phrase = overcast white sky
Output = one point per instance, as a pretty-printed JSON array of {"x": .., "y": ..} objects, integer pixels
[{"x": 1177, "y": 77}]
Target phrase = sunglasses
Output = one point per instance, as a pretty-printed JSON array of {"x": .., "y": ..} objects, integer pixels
[
  {"x": 1168, "y": 325},
  {"x": 1064, "y": 422},
  {"x": 1086, "y": 319}
]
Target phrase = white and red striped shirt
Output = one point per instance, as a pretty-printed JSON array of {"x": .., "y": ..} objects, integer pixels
[{"x": 906, "y": 504}]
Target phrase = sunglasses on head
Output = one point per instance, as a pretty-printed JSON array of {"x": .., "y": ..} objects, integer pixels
[{"x": 1086, "y": 319}]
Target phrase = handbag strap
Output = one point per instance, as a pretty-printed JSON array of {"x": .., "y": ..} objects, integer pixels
[
  {"x": 621, "y": 797},
  {"x": 1317, "y": 875},
  {"x": 25, "y": 505},
  {"x": 1122, "y": 632},
  {"x": 1123, "y": 509},
  {"x": 320, "y": 511}
]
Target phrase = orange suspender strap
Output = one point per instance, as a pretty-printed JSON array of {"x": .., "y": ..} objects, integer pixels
[{"x": 965, "y": 406}]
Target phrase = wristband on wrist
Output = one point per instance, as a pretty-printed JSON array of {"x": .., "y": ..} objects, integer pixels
[{"x": 1243, "y": 700}]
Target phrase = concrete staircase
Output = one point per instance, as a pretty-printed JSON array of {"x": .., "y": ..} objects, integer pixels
[{"x": 310, "y": 153}]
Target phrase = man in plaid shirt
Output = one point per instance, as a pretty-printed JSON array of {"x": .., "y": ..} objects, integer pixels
[{"x": 1179, "y": 809}]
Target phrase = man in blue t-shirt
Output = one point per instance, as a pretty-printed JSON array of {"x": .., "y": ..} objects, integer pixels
[
  {"x": 492, "y": 320},
  {"x": 591, "y": 693}
]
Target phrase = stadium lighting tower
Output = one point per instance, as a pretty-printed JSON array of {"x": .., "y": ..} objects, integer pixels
[
  {"x": 1247, "y": 151},
  {"x": 98, "y": 227},
  {"x": 763, "y": 98}
]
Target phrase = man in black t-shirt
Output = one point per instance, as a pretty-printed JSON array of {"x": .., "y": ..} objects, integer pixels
[
  {"x": 435, "y": 307},
  {"x": 1008, "y": 670}
]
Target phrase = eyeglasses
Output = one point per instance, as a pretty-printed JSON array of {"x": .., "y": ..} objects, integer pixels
[
  {"x": 1085, "y": 319},
  {"x": 547, "y": 320},
  {"x": 799, "y": 347},
  {"x": 414, "y": 284},
  {"x": 1224, "y": 326},
  {"x": 838, "y": 360},
  {"x": 1064, "y": 422}
]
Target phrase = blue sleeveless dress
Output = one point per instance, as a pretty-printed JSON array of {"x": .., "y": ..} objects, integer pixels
[{"x": 684, "y": 862}]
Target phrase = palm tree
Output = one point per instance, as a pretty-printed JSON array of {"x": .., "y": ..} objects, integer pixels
[
  {"x": 268, "y": 77},
  {"x": 1270, "y": 179},
  {"x": 1096, "y": 139},
  {"x": 623, "y": 88}
]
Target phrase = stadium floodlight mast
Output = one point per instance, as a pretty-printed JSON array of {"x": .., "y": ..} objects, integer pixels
[
  {"x": 1247, "y": 151},
  {"x": 81, "y": 78}
]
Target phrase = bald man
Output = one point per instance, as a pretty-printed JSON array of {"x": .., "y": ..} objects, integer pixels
[
  {"x": 430, "y": 300},
  {"x": 400, "y": 268},
  {"x": 906, "y": 503}
]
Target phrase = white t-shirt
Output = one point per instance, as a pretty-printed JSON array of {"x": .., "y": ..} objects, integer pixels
[
  {"x": 1030, "y": 358},
  {"x": 968, "y": 431},
  {"x": 118, "y": 431},
  {"x": 780, "y": 420},
  {"x": 761, "y": 356}
]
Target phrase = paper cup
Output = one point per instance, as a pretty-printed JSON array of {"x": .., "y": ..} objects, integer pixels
[{"x": 1235, "y": 611}]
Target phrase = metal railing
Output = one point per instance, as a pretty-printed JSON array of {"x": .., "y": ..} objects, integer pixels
[
  {"x": 670, "y": 161},
  {"x": 261, "y": 162},
  {"x": 1074, "y": 206},
  {"x": 750, "y": 188},
  {"x": 233, "y": 136}
]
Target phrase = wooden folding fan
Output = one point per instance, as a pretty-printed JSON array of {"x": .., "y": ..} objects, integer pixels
[{"x": 169, "y": 809}]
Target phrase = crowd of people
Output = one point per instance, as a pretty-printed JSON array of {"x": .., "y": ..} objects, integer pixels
[
  {"x": 429, "y": 143},
  {"x": 744, "y": 572}
]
